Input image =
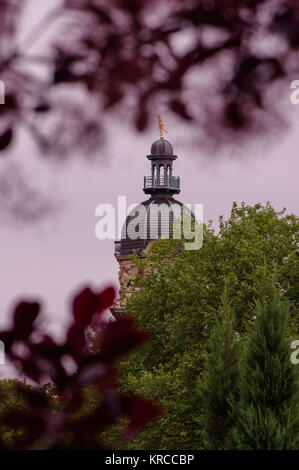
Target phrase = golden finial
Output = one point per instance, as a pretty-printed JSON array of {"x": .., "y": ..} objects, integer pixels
[{"x": 161, "y": 126}]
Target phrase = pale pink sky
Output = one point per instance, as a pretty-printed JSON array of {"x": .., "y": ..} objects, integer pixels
[{"x": 52, "y": 259}]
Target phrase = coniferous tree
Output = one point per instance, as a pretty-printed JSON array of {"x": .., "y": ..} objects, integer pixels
[
  {"x": 266, "y": 413},
  {"x": 219, "y": 379}
]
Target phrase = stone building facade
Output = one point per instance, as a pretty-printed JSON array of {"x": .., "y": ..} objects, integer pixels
[{"x": 150, "y": 220}]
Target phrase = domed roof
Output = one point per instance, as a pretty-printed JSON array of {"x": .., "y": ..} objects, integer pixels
[
  {"x": 161, "y": 147},
  {"x": 148, "y": 221}
]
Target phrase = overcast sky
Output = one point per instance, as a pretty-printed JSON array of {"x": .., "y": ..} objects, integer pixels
[{"x": 52, "y": 259}]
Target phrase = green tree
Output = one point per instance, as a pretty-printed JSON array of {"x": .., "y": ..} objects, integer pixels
[
  {"x": 219, "y": 381},
  {"x": 11, "y": 401},
  {"x": 266, "y": 411},
  {"x": 180, "y": 300}
]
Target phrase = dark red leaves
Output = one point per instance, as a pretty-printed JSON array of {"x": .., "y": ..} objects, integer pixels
[
  {"x": 6, "y": 139},
  {"x": 112, "y": 97},
  {"x": 47, "y": 347},
  {"x": 129, "y": 71},
  {"x": 101, "y": 13},
  {"x": 30, "y": 368},
  {"x": 141, "y": 120},
  {"x": 234, "y": 115},
  {"x": 180, "y": 108},
  {"x": 11, "y": 104},
  {"x": 287, "y": 23},
  {"x": 121, "y": 337},
  {"x": 42, "y": 108},
  {"x": 106, "y": 298},
  {"x": 133, "y": 6},
  {"x": 141, "y": 412},
  {"x": 63, "y": 74},
  {"x": 44, "y": 358},
  {"x": 118, "y": 55},
  {"x": 76, "y": 342},
  {"x": 24, "y": 317},
  {"x": 8, "y": 338},
  {"x": 85, "y": 305}
]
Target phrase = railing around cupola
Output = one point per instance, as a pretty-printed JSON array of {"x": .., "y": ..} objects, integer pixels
[{"x": 168, "y": 182}]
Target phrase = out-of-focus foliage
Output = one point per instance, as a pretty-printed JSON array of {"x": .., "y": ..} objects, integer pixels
[
  {"x": 212, "y": 63},
  {"x": 180, "y": 302},
  {"x": 14, "y": 400},
  {"x": 64, "y": 414},
  {"x": 10, "y": 400}
]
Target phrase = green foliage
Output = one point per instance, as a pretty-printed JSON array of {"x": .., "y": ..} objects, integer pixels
[
  {"x": 179, "y": 303},
  {"x": 200, "y": 305},
  {"x": 219, "y": 381},
  {"x": 266, "y": 411},
  {"x": 11, "y": 401}
]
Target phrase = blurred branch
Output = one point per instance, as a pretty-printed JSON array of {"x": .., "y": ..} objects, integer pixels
[
  {"x": 127, "y": 58},
  {"x": 37, "y": 32}
]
